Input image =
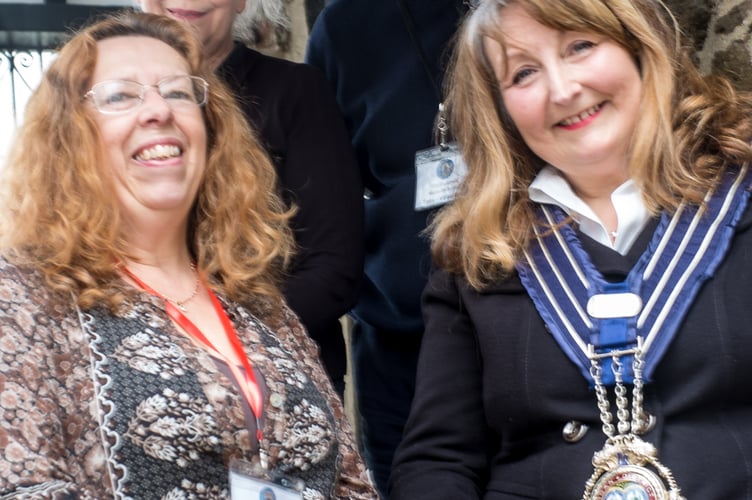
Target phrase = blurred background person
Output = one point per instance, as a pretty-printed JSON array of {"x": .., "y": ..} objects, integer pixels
[
  {"x": 146, "y": 340},
  {"x": 385, "y": 62},
  {"x": 291, "y": 107}
]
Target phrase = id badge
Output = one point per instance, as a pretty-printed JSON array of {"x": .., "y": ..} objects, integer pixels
[
  {"x": 439, "y": 173},
  {"x": 245, "y": 484}
]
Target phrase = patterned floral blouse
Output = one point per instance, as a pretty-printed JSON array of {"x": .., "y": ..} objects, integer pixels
[{"x": 95, "y": 405}]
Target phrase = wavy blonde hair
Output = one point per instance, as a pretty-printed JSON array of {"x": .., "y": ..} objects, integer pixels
[
  {"x": 689, "y": 128},
  {"x": 58, "y": 212}
]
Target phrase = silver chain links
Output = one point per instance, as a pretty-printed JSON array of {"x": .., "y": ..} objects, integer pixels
[
  {"x": 622, "y": 402},
  {"x": 639, "y": 423},
  {"x": 602, "y": 394}
]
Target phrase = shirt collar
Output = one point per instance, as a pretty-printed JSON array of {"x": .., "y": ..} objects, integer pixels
[{"x": 551, "y": 187}]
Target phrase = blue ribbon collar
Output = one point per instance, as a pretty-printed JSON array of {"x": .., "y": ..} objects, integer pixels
[{"x": 592, "y": 318}]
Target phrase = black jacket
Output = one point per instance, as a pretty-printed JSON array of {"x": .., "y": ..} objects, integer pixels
[
  {"x": 495, "y": 391},
  {"x": 293, "y": 109},
  {"x": 389, "y": 104}
]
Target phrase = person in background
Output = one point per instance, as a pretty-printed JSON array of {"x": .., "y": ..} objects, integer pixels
[
  {"x": 385, "y": 61},
  {"x": 587, "y": 321},
  {"x": 292, "y": 109},
  {"x": 147, "y": 347}
]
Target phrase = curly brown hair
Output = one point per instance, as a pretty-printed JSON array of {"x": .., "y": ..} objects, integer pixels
[{"x": 58, "y": 213}]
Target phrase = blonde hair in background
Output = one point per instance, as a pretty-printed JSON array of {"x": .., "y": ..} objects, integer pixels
[
  {"x": 689, "y": 128},
  {"x": 58, "y": 213}
]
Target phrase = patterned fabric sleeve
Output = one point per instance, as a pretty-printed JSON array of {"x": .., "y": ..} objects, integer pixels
[
  {"x": 353, "y": 481},
  {"x": 33, "y": 426}
]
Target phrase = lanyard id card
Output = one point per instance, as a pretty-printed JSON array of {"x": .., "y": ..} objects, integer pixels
[
  {"x": 439, "y": 172},
  {"x": 245, "y": 484}
]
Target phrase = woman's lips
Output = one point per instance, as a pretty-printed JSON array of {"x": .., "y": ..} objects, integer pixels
[{"x": 185, "y": 14}]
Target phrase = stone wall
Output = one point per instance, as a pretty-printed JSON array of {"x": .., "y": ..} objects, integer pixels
[{"x": 721, "y": 31}]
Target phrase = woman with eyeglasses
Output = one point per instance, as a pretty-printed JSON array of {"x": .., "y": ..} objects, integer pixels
[
  {"x": 588, "y": 321},
  {"x": 147, "y": 351}
]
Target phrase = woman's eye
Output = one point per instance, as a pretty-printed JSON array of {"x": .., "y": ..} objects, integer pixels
[
  {"x": 120, "y": 97},
  {"x": 582, "y": 45},
  {"x": 178, "y": 95},
  {"x": 521, "y": 75}
]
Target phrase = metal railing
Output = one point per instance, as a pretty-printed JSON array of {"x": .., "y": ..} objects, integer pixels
[
  {"x": 20, "y": 72},
  {"x": 30, "y": 31}
]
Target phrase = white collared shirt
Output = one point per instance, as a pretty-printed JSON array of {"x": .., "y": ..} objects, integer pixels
[{"x": 550, "y": 186}]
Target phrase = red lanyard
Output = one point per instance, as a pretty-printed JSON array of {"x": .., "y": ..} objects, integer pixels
[{"x": 247, "y": 381}]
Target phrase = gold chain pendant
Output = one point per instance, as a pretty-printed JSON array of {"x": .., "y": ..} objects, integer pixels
[{"x": 627, "y": 468}]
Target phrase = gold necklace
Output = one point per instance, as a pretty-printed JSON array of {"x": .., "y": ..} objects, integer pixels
[{"x": 180, "y": 304}]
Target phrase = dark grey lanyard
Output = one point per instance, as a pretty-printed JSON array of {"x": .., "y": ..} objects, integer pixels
[
  {"x": 410, "y": 27},
  {"x": 441, "y": 123}
]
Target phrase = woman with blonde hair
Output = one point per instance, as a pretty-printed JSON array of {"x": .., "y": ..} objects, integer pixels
[
  {"x": 148, "y": 351},
  {"x": 585, "y": 332}
]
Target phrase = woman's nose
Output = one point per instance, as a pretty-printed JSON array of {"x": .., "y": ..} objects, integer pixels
[
  {"x": 155, "y": 107},
  {"x": 563, "y": 84}
]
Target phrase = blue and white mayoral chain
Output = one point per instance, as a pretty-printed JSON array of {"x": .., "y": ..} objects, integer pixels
[{"x": 616, "y": 333}]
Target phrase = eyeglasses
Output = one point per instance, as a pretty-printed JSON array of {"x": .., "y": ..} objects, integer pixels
[{"x": 114, "y": 97}]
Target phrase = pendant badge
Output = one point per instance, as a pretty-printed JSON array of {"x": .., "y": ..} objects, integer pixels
[{"x": 627, "y": 468}]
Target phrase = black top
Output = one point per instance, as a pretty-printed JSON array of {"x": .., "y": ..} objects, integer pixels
[
  {"x": 292, "y": 108},
  {"x": 389, "y": 103}
]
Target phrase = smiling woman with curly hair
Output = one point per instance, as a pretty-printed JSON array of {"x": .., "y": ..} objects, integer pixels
[{"x": 146, "y": 342}]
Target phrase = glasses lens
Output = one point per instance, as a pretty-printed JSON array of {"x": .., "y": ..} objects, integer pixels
[
  {"x": 117, "y": 96},
  {"x": 184, "y": 90},
  {"x": 121, "y": 96}
]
